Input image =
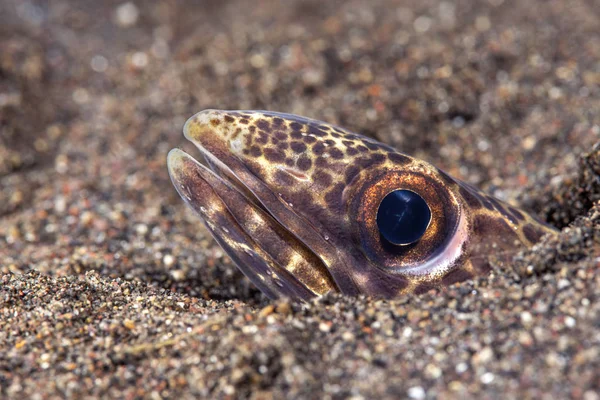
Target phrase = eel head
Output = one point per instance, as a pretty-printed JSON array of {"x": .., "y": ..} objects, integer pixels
[{"x": 304, "y": 207}]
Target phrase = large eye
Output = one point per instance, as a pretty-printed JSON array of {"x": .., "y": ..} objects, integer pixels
[{"x": 403, "y": 217}]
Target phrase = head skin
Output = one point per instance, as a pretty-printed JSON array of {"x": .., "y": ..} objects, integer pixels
[{"x": 293, "y": 201}]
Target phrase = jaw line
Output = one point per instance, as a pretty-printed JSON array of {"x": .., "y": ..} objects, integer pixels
[
  {"x": 225, "y": 211},
  {"x": 238, "y": 174}
]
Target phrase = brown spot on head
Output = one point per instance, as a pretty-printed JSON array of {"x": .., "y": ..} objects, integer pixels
[
  {"x": 229, "y": 118},
  {"x": 313, "y": 130},
  {"x": 372, "y": 146},
  {"x": 322, "y": 178},
  {"x": 296, "y": 126},
  {"x": 278, "y": 121},
  {"x": 281, "y": 135},
  {"x": 398, "y": 158},
  {"x": 362, "y": 149},
  {"x": 262, "y": 138},
  {"x": 255, "y": 151},
  {"x": 365, "y": 162},
  {"x": 244, "y": 121},
  {"x": 309, "y": 139},
  {"x": 298, "y": 147},
  {"x": 274, "y": 155},
  {"x": 351, "y": 151},
  {"x": 322, "y": 162},
  {"x": 531, "y": 233},
  {"x": 496, "y": 204},
  {"x": 336, "y": 153},
  {"x": 486, "y": 203},
  {"x": 215, "y": 122},
  {"x": 263, "y": 124},
  {"x": 377, "y": 158},
  {"x": 518, "y": 214},
  {"x": 318, "y": 148},
  {"x": 304, "y": 163}
]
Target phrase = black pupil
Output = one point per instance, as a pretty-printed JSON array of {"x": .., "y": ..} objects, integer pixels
[{"x": 403, "y": 217}]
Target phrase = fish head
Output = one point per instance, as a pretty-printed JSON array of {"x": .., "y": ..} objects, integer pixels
[{"x": 304, "y": 207}]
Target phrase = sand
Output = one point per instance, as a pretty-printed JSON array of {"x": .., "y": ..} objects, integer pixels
[{"x": 110, "y": 287}]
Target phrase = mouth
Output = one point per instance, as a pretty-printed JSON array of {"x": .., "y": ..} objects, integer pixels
[{"x": 245, "y": 216}]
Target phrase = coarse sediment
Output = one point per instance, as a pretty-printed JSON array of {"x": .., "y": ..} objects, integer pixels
[{"x": 110, "y": 287}]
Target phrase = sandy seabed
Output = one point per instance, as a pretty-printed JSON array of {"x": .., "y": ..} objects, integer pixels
[{"x": 111, "y": 287}]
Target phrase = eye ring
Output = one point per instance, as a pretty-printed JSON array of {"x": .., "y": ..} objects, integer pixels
[
  {"x": 445, "y": 211},
  {"x": 403, "y": 217}
]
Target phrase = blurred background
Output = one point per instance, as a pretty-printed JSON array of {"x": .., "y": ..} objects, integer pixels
[{"x": 102, "y": 267}]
